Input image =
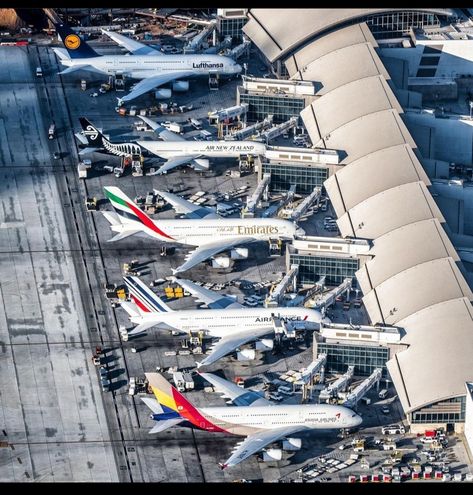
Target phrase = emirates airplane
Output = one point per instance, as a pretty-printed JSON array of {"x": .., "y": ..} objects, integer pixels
[
  {"x": 210, "y": 236},
  {"x": 226, "y": 319},
  {"x": 254, "y": 417},
  {"x": 144, "y": 62}
]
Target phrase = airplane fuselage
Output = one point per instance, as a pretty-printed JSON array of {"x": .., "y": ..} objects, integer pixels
[
  {"x": 140, "y": 66},
  {"x": 199, "y": 232},
  {"x": 171, "y": 149},
  {"x": 224, "y": 322},
  {"x": 245, "y": 420}
]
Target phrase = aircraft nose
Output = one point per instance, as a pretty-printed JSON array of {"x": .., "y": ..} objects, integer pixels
[
  {"x": 238, "y": 69},
  {"x": 358, "y": 420}
]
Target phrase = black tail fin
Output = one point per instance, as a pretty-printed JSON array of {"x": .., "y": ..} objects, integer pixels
[
  {"x": 93, "y": 135},
  {"x": 75, "y": 46}
]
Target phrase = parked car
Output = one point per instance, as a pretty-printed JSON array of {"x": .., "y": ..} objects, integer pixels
[{"x": 385, "y": 410}]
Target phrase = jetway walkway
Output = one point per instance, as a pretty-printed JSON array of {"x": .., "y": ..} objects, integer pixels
[
  {"x": 326, "y": 300},
  {"x": 278, "y": 130},
  {"x": 250, "y": 130},
  {"x": 363, "y": 388},
  {"x": 338, "y": 385},
  {"x": 261, "y": 190},
  {"x": 306, "y": 204},
  {"x": 274, "y": 298},
  {"x": 274, "y": 209}
]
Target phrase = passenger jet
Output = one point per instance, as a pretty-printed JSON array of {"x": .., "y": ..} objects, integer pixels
[
  {"x": 151, "y": 66},
  {"x": 210, "y": 236},
  {"x": 254, "y": 417},
  {"x": 225, "y": 319}
]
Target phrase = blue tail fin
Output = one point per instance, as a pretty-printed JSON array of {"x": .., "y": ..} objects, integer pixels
[{"x": 75, "y": 46}]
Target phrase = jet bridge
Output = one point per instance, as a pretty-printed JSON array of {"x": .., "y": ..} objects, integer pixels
[
  {"x": 363, "y": 388},
  {"x": 274, "y": 299},
  {"x": 198, "y": 39},
  {"x": 239, "y": 50},
  {"x": 279, "y": 129},
  {"x": 338, "y": 385},
  {"x": 261, "y": 190},
  {"x": 325, "y": 300},
  {"x": 225, "y": 114},
  {"x": 250, "y": 130},
  {"x": 311, "y": 370},
  {"x": 274, "y": 209},
  {"x": 305, "y": 205}
]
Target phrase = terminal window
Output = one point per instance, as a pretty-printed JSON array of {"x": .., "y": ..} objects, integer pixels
[
  {"x": 284, "y": 175},
  {"x": 311, "y": 268}
]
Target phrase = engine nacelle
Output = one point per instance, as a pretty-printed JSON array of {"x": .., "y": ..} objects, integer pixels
[
  {"x": 272, "y": 455},
  {"x": 221, "y": 262},
  {"x": 264, "y": 345},
  {"x": 202, "y": 163},
  {"x": 239, "y": 253},
  {"x": 162, "y": 93},
  {"x": 246, "y": 355},
  {"x": 180, "y": 86},
  {"x": 292, "y": 444}
]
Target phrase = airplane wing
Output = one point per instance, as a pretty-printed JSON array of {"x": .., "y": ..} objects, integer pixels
[
  {"x": 206, "y": 251},
  {"x": 133, "y": 46},
  {"x": 239, "y": 396},
  {"x": 154, "y": 81},
  {"x": 73, "y": 68},
  {"x": 209, "y": 297},
  {"x": 182, "y": 206},
  {"x": 256, "y": 441},
  {"x": 164, "y": 425},
  {"x": 231, "y": 342},
  {"x": 161, "y": 131},
  {"x": 173, "y": 163}
]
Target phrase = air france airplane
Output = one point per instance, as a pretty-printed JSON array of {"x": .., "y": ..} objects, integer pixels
[
  {"x": 254, "y": 417},
  {"x": 211, "y": 236},
  {"x": 226, "y": 319},
  {"x": 151, "y": 66}
]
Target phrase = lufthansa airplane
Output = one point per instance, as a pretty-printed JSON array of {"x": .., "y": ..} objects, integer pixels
[
  {"x": 253, "y": 417},
  {"x": 210, "y": 236},
  {"x": 225, "y": 319},
  {"x": 152, "y": 67}
]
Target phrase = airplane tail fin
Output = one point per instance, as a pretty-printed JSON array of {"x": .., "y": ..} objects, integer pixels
[
  {"x": 173, "y": 401},
  {"x": 129, "y": 212},
  {"x": 94, "y": 137},
  {"x": 144, "y": 298},
  {"x": 75, "y": 46}
]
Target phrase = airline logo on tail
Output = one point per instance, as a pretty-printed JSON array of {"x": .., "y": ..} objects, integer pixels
[
  {"x": 126, "y": 208},
  {"x": 144, "y": 298},
  {"x": 72, "y": 42},
  {"x": 172, "y": 399},
  {"x": 91, "y": 132}
]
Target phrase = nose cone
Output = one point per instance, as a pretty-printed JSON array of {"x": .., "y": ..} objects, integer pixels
[
  {"x": 357, "y": 420},
  {"x": 326, "y": 320},
  {"x": 300, "y": 232},
  {"x": 237, "y": 69}
]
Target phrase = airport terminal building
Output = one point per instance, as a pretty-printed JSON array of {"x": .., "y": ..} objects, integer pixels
[{"x": 382, "y": 192}]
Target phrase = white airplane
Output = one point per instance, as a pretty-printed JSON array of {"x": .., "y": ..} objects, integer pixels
[
  {"x": 179, "y": 151},
  {"x": 210, "y": 236},
  {"x": 145, "y": 63},
  {"x": 254, "y": 417},
  {"x": 226, "y": 319},
  {"x": 174, "y": 148}
]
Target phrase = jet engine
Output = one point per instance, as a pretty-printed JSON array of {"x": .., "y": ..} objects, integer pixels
[
  {"x": 202, "y": 164},
  {"x": 264, "y": 345},
  {"x": 162, "y": 93},
  {"x": 272, "y": 455},
  {"x": 221, "y": 262},
  {"x": 246, "y": 355},
  {"x": 239, "y": 253},
  {"x": 292, "y": 444},
  {"x": 180, "y": 86}
]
